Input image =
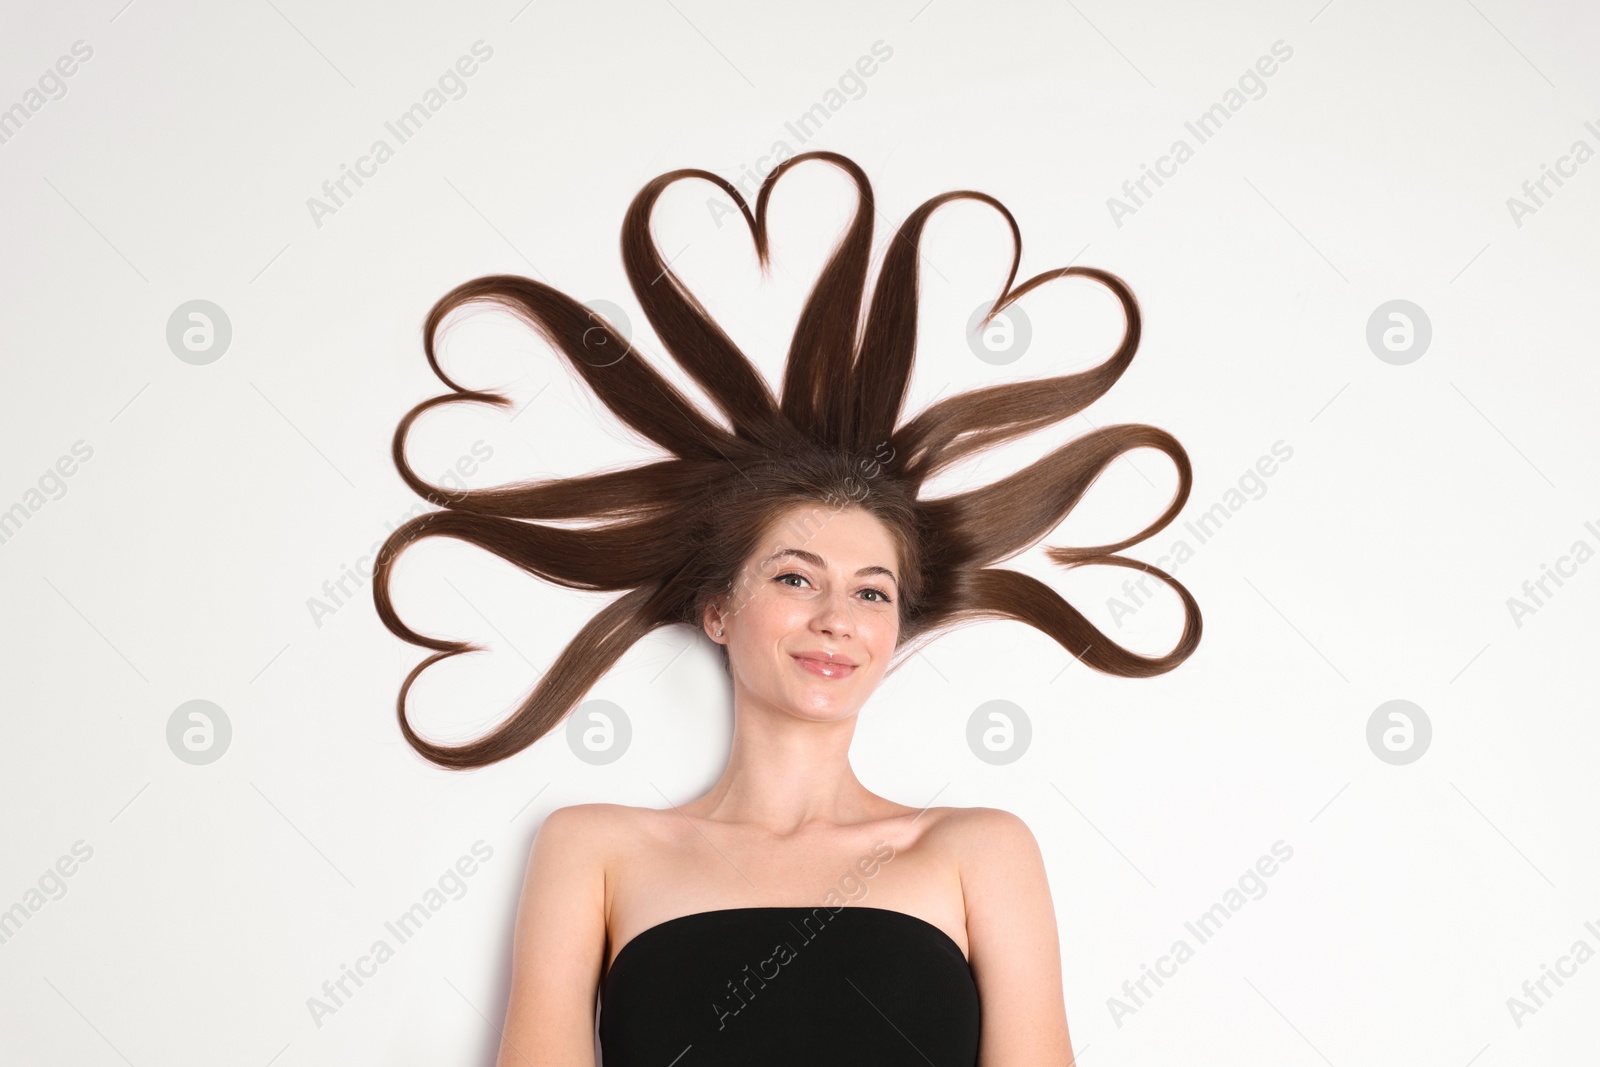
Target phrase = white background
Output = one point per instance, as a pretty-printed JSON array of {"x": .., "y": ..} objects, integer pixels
[{"x": 181, "y": 560}]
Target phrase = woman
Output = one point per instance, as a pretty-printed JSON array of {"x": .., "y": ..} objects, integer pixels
[{"x": 726, "y": 930}]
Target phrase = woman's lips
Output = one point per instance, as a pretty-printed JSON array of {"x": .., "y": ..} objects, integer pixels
[{"x": 825, "y": 668}]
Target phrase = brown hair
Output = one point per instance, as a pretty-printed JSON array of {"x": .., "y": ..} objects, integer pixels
[{"x": 673, "y": 534}]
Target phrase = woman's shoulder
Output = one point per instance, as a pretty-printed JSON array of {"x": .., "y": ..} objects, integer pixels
[
  {"x": 607, "y": 828},
  {"x": 595, "y": 818},
  {"x": 978, "y": 832},
  {"x": 592, "y": 837},
  {"x": 975, "y": 820}
]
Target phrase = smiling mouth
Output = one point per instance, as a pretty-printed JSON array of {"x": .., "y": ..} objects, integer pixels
[{"x": 824, "y": 668}]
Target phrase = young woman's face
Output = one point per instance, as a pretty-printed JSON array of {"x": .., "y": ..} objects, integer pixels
[{"x": 821, "y": 581}]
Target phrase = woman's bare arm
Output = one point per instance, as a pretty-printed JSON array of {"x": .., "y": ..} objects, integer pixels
[
  {"x": 1012, "y": 943},
  {"x": 559, "y": 945}
]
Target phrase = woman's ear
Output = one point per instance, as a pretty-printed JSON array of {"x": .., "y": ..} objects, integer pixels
[{"x": 712, "y": 621}]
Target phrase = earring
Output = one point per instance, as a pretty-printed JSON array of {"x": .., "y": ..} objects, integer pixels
[{"x": 719, "y": 631}]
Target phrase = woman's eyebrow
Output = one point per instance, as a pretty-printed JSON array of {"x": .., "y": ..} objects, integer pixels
[{"x": 817, "y": 561}]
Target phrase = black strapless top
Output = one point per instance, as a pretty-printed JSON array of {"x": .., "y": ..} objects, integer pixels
[{"x": 773, "y": 987}]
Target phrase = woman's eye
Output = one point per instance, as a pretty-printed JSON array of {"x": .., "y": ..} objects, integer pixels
[{"x": 883, "y": 598}]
